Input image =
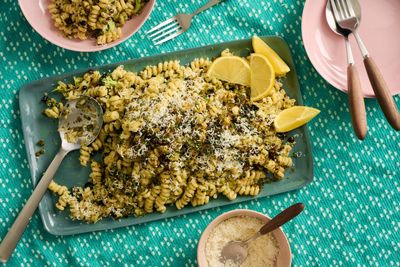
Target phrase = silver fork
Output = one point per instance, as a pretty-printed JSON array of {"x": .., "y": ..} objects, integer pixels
[
  {"x": 348, "y": 16},
  {"x": 176, "y": 25}
]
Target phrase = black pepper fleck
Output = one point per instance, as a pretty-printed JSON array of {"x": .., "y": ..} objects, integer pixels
[
  {"x": 44, "y": 98},
  {"x": 39, "y": 152},
  {"x": 89, "y": 184},
  {"x": 68, "y": 21},
  {"x": 40, "y": 142}
]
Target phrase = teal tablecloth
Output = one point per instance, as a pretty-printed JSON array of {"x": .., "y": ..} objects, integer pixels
[{"x": 352, "y": 207}]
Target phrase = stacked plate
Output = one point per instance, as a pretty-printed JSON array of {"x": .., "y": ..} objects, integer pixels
[{"x": 381, "y": 35}]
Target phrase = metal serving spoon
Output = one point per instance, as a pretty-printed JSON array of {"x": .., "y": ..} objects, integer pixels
[
  {"x": 77, "y": 116},
  {"x": 237, "y": 250},
  {"x": 356, "y": 97}
]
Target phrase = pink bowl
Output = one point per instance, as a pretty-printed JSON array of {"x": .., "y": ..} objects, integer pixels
[
  {"x": 284, "y": 256},
  {"x": 39, "y": 18}
]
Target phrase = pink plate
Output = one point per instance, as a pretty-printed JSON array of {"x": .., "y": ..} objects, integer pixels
[
  {"x": 35, "y": 11},
  {"x": 380, "y": 30},
  {"x": 284, "y": 257}
]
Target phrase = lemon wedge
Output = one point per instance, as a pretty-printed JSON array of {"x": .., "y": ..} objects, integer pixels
[
  {"x": 231, "y": 69},
  {"x": 294, "y": 117},
  {"x": 262, "y": 77},
  {"x": 260, "y": 47}
]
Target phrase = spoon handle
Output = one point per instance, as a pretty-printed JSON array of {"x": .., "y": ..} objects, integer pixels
[
  {"x": 282, "y": 218},
  {"x": 10, "y": 241},
  {"x": 356, "y": 101},
  {"x": 356, "y": 98}
]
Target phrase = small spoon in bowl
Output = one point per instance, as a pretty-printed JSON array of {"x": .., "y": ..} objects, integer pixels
[
  {"x": 79, "y": 124},
  {"x": 236, "y": 250}
]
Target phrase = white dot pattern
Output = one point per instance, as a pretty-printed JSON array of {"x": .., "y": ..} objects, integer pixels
[{"x": 352, "y": 213}]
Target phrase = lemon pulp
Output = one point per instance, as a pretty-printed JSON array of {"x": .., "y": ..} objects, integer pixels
[
  {"x": 294, "y": 117},
  {"x": 262, "y": 77},
  {"x": 231, "y": 69},
  {"x": 260, "y": 47}
]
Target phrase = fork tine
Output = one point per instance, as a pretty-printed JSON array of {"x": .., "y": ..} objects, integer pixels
[
  {"x": 336, "y": 13},
  {"x": 161, "y": 25},
  {"x": 345, "y": 11},
  {"x": 175, "y": 29},
  {"x": 169, "y": 37},
  {"x": 350, "y": 8},
  {"x": 164, "y": 29}
]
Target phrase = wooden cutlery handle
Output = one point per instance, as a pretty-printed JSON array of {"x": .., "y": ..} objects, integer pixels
[
  {"x": 382, "y": 93},
  {"x": 282, "y": 218},
  {"x": 356, "y": 101}
]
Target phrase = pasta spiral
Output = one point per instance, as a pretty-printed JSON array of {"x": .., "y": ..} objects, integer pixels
[
  {"x": 172, "y": 136},
  {"x": 102, "y": 19}
]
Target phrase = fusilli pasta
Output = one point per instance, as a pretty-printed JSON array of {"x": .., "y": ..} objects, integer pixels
[
  {"x": 172, "y": 135},
  {"x": 101, "y": 19}
]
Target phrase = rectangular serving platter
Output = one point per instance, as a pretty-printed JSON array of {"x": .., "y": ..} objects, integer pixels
[{"x": 35, "y": 127}]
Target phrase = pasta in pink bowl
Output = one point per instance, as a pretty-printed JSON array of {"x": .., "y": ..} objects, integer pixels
[{"x": 98, "y": 25}]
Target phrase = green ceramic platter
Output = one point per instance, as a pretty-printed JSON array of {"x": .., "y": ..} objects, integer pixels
[{"x": 35, "y": 126}]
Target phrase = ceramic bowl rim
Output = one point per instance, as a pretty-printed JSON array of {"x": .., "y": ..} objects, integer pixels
[
  {"x": 284, "y": 257},
  {"x": 94, "y": 48}
]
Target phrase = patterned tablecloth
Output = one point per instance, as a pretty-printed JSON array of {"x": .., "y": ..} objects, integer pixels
[{"x": 352, "y": 207}]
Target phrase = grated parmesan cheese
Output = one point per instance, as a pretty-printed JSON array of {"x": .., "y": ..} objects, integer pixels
[{"x": 262, "y": 252}]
